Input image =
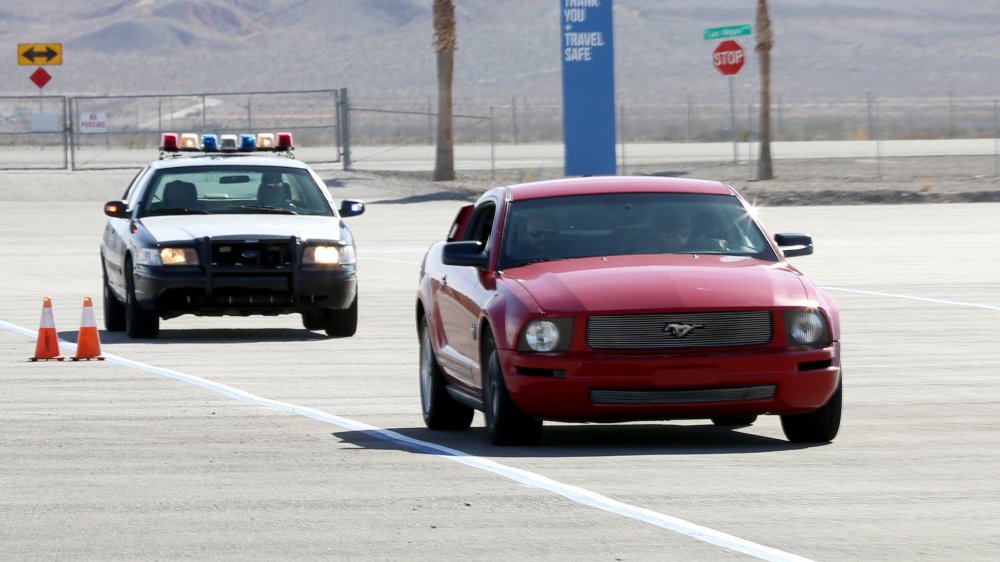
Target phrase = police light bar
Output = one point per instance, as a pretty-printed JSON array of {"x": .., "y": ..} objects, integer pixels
[{"x": 247, "y": 142}]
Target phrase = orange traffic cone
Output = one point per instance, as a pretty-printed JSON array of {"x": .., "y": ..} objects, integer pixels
[
  {"x": 48, "y": 340},
  {"x": 88, "y": 342}
]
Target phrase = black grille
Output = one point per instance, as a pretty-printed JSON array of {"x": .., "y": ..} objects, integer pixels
[
  {"x": 258, "y": 255},
  {"x": 735, "y": 394},
  {"x": 679, "y": 331}
]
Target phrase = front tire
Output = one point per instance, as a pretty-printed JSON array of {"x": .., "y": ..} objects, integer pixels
[
  {"x": 440, "y": 410},
  {"x": 820, "y": 426},
  {"x": 341, "y": 323},
  {"x": 114, "y": 310},
  {"x": 139, "y": 323},
  {"x": 506, "y": 424}
]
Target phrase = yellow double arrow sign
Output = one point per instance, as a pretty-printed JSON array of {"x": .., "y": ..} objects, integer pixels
[{"x": 39, "y": 53}]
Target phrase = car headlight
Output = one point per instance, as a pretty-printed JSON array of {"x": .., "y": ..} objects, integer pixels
[
  {"x": 807, "y": 327},
  {"x": 329, "y": 255},
  {"x": 167, "y": 256},
  {"x": 546, "y": 334}
]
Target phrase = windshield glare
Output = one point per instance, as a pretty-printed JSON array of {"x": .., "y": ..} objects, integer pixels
[
  {"x": 233, "y": 189},
  {"x": 629, "y": 223}
]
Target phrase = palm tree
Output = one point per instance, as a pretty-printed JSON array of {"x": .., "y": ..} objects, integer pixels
[
  {"x": 765, "y": 39},
  {"x": 444, "y": 44}
]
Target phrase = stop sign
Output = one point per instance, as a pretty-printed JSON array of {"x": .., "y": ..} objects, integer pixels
[{"x": 728, "y": 57}]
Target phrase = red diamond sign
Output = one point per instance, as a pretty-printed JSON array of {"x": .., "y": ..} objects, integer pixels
[{"x": 40, "y": 77}]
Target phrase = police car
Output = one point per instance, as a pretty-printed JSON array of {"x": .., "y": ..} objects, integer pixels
[{"x": 227, "y": 225}]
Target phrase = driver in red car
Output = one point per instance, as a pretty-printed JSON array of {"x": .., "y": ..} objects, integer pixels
[{"x": 536, "y": 238}]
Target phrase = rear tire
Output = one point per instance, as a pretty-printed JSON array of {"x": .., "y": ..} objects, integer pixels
[
  {"x": 114, "y": 310},
  {"x": 506, "y": 424},
  {"x": 139, "y": 323},
  {"x": 820, "y": 426},
  {"x": 341, "y": 323},
  {"x": 440, "y": 410}
]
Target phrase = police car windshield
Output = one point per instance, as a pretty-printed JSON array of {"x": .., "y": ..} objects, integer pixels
[{"x": 232, "y": 190}]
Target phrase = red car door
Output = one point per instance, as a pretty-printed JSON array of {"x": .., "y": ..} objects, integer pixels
[{"x": 460, "y": 296}]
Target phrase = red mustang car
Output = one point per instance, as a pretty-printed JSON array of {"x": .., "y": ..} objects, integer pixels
[{"x": 609, "y": 299}]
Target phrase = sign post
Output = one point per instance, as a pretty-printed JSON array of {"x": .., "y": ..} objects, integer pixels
[
  {"x": 728, "y": 58},
  {"x": 588, "y": 87}
]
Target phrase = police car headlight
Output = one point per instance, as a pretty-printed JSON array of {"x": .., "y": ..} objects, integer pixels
[
  {"x": 546, "y": 334},
  {"x": 807, "y": 327},
  {"x": 167, "y": 256},
  {"x": 329, "y": 255}
]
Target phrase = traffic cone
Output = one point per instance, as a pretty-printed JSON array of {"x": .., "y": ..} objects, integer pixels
[
  {"x": 47, "y": 347},
  {"x": 88, "y": 342}
]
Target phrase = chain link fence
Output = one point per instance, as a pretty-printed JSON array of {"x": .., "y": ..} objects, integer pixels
[{"x": 110, "y": 132}]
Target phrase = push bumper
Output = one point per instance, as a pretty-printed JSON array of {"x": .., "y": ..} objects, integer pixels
[{"x": 176, "y": 291}]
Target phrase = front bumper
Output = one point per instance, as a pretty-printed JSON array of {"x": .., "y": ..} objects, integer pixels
[
  {"x": 173, "y": 291},
  {"x": 603, "y": 387}
]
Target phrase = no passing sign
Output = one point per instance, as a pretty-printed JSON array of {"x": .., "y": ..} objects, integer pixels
[{"x": 728, "y": 57}]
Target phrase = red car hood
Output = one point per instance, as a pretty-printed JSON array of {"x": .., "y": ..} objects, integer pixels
[{"x": 666, "y": 282}]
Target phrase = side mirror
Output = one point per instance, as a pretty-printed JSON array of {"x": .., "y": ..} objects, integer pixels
[
  {"x": 116, "y": 209},
  {"x": 465, "y": 253},
  {"x": 794, "y": 244},
  {"x": 351, "y": 208}
]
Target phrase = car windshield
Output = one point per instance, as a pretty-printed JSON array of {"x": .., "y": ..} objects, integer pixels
[
  {"x": 233, "y": 190},
  {"x": 629, "y": 223}
]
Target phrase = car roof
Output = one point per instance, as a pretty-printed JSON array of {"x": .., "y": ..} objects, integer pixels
[
  {"x": 615, "y": 184},
  {"x": 227, "y": 160}
]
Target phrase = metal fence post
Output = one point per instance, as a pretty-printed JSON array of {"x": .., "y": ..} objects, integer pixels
[
  {"x": 67, "y": 149},
  {"x": 73, "y": 111},
  {"x": 493, "y": 144},
  {"x": 513, "y": 117},
  {"x": 750, "y": 141},
  {"x": 996, "y": 141},
  {"x": 621, "y": 127},
  {"x": 344, "y": 128}
]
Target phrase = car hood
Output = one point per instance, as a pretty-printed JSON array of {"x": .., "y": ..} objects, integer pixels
[
  {"x": 623, "y": 284},
  {"x": 187, "y": 227}
]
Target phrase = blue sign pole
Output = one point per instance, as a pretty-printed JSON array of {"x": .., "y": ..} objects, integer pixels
[{"x": 588, "y": 73}]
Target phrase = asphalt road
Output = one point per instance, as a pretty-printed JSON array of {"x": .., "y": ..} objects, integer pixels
[{"x": 240, "y": 439}]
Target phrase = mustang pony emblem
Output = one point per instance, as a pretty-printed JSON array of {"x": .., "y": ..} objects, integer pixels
[{"x": 679, "y": 330}]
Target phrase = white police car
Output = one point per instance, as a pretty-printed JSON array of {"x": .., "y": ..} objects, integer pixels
[{"x": 228, "y": 226}]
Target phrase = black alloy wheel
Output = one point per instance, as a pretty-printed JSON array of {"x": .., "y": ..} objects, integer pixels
[{"x": 440, "y": 410}]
